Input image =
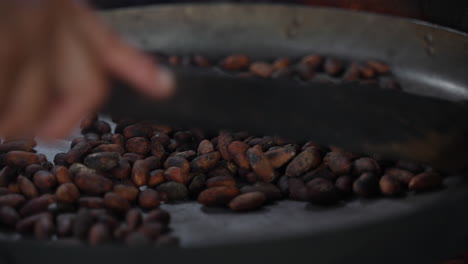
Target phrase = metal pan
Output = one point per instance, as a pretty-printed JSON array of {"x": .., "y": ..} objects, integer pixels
[{"x": 417, "y": 229}]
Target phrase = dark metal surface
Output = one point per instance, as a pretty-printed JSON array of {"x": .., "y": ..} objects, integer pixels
[
  {"x": 361, "y": 118},
  {"x": 420, "y": 229}
]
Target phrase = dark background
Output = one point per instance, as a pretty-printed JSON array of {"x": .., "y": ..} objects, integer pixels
[{"x": 448, "y": 13}]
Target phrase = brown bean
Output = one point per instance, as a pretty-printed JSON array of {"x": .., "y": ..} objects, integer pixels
[
  {"x": 109, "y": 148},
  {"x": 152, "y": 229},
  {"x": 92, "y": 183},
  {"x": 338, "y": 162},
  {"x": 61, "y": 174},
  {"x": 333, "y": 66},
  {"x": 235, "y": 62},
  {"x": 27, "y": 187},
  {"x": 118, "y": 139},
  {"x": 322, "y": 191},
  {"x": 402, "y": 176},
  {"x": 133, "y": 218},
  {"x": 138, "y": 145},
  {"x": 156, "y": 177},
  {"x": 18, "y": 145},
  {"x": 197, "y": 184},
  {"x": 425, "y": 181},
  {"x": 351, "y": 73},
  {"x": 60, "y": 159},
  {"x": 205, "y": 161},
  {"x": 217, "y": 195},
  {"x": 8, "y": 216},
  {"x": 247, "y": 201},
  {"x": 65, "y": 224},
  {"x": 260, "y": 164},
  {"x": 297, "y": 189},
  {"x": 20, "y": 158},
  {"x": 205, "y": 146},
  {"x": 102, "y": 161},
  {"x": 128, "y": 192},
  {"x": 140, "y": 173},
  {"x": 116, "y": 203},
  {"x": 409, "y": 166},
  {"x": 367, "y": 185},
  {"x": 390, "y": 186},
  {"x": 344, "y": 184},
  {"x": 224, "y": 139},
  {"x": 161, "y": 137},
  {"x": 176, "y": 174},
  {"x": 5, "y": 175},
  {"x": 157, "y": 149},
  {"x": 67, "y": 193},
  {"x": 200, "y": 61},
  {"x": 227, "y": 181},
  {"x": 99, "y": 234},
  {"x": 305, "y": 161},
  {"x": 31, "y": 169},
  {"x": 304, "y": 71},
  {"x": 312, "y": 61},
  {"x": 379, "y": 67},
  {"x": 280, "y": 156},
  {"x": 158, "y": 215},
  {"x": 137, "y": 130},
  {"x": 177, "y": 161},
  {"x": 77, "y": 152},
  {"x": 321, "y": 172},
  {"x": 82, "y": 223},
  {"x": 44, "y": 227},
  {"x": 132, "y": 157},
  {"x": 261, "y": 69},
  {"x": 12, "y": 200},
  {"x": 91, "y": 202},
  {"x": 26, "y": 225},
  {"x": 365, "y": 165},
  {"x": 44, "y": 180},
  {"x": 13, "y": 188},
  {"x": 238, "y": 153},
  {"x": 149, "y": 199},
  {"x": 173, "y": 191},
  {"x": 270, "y": 191},
  {"x": 281, "y": 63},
  {"x": 37, "y": 205}
]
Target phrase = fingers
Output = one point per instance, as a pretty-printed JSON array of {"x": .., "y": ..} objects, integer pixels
[
  {"x": 27, "y": 103},
  {"x": 122, "y": 60},
  {"x": 80, "y": 82}
]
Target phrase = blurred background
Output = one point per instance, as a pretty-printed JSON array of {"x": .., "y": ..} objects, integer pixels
[{"x": 450, "y": 13}]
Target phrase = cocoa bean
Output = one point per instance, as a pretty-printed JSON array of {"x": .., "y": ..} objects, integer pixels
[
  {"x": 65, "y": 224},
  {"x": 12, "y": 200},
  {"x": 297, "y": 189},
  {"x": 379, "y": 67},
  {"x": 77, "y": 152},
  {"x": 149, "y": 199},
  {"x": 158, "y": 215},
  {"x": 60, "y": 159},
  {"x": 260, "y": 164},
  {"x": 118, "y": 139},
  {"x": 161, "y": 137},
  {"x": 8, "y": 216},
  {"x": 26, "y": 225},
  {"x": 109, "y": 148},
  {"x": 82, "y": 223},
  {"x": 344, "y": 184},
  {"x": 224, "y": 139},
  {"x": 200, "y": 61},
  {"x": 92, "y": 183},
  {"x": 281, "y": 63},
  {"x": 27, "y": 188},
  {"x": 133, "y": 218},
  {"x": 152, "y": 229},
  {"x": 333, "y": 66},
  {"x": 390, "y": 186},
  {"x": 156, "y": 177},
  {"x": 205, "y": 146},
  {"x": 128, "y": 192},
  {"x": 177, "y": 161},
  {"x": 18, "y": 145},
  {"x": 352, "y": 73},
  {"x": 217, "y": 181},
  {"x": 365, "y": 165},
  {"x": 31, "y": 169},
  {"x": 116, "y": 203},
  {"x": 247, "y": 201},
  {"x": 320, "y": 172},
  {"x": 99, "y": 234},
  {"x": 338, "y": 162},
  {"x": 157, "y": 149},
  {"x": 280, "y": 156},
  {"x": 37, "y": 205},
  {"x": 176, "y": 174},
  {"x": 137, "y": 130},
  {"x": 44, "y": 228},
  {"x": 313, "y": 61},
  {"x": 270, "y": 191},
  {"x": 425, "y": 181},
  {"x": 261, "y": 69},
  {"x": 91, "y": 202},
  {"x": 235, "y": 62},
  {"x": 197, "y": 184},
  {"x": 67, "y": 193},
  {"x": 140, "y": 173},
  {"x": 205, "y": 161},
  {"x": 102, "y": 161},
  {"x": 238, "y": 152},
  {"x": 305, "y": 161},
  {"x": 20, "y": 158},
  {"x": 61, "y": 174},
  {"x": 322, "y": 191},
  {"x": 367, "y": 185},
  {"x": 402, "y": 176},
  {"x": 138, "y": 145},
  {"x": 409, "y": 166},
  {"x": 283, "y": 185},
  {"x": 44, "y": 180},
  {"x": 122, "y": 170},
  {"x": 217, "y": 195},
  {"x": 6, "y": 174}
]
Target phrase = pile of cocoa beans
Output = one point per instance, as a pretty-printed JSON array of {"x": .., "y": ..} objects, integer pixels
[{"x": 311, "y": 67}]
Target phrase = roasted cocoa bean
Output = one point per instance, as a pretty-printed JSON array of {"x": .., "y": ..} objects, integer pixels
[
  {"x": 149, "y": 199},
  {"x": 60, "y": 159},
  {"x": 18, "y": 145},
  {"x": 321, "y": 172},
  {"x": 122, "y": 170},
  {"x": 200, "y": 61},
  {"x": 176, "y": 174},
  {"x": 352, "y": 73},
  {"x": 99, "y": 234},
  {"x": 333, "y": 66},
  {"x": 4, "y": 190},
  {"x": 305, "y": 161},
  {"x": 44, "y": 180},
  {"x": 109, "y": 148},
  {"x": 270, "y": 191},
  {"x": 238, "y": 152},
  {"x": 205, "y": 146},
  {"x": 137, "y": 130},
  {"x": 140, "y": 173},
  {"x": 297, "y": 189},
  {"x": 91, "y": 202},
  {"x": 31, "y": 169},
  {"x": 409, "y": 166},
  {"x": 27, "y": 188},
  {"x": 280, "y": 156},
  {"x": 37, "y": 205},
  {"x": 67, "y": 193},
  {"x": 283, "y": 185},
  {"x": 224, "y": 139},
  {"x": 157, "y": 149},
  {"x": 247, "y": 201},
  {"x": 77, "y": 152},
  {"x": 367, "y": 185},
  {"x": 161, "y": 137},
  {"x": 344, "y": 184},
  {"x": 177, "y": 161},
  {"x": 158, "y": 215},
  {"x": 13, "y": 188},
  {"x": 128, "y": 192},
  {"x": 116, "y": 203},
  {"x": 402, "y": 176},
  {"x": 133, "y": 218},
  {"x": 205, "y": 161},
  {"x": 390, "y": 186},
  {"x": 260, "y": 164},
  {"x": 304, "y": 71},
  {"x": 261, "y": 69},
  {"x": 44, "y": 228},
  {"x": 379, "y": 67},
  {"x": 338, "y": 162},
  {"x": 173, "y": 191},
  {"x": 12, "y": 200},
  {"x": 156, "y": 177},
  {"x": 8, "y": 216},
  {"x": 197, "y": 184},
  {"x": 281, "y": 63},
  {"x": 26, "y": 225},
  {"x": 132, "y": 157},
  {"x": 235, "y": 62},
  {"x": 102, "y": 161},
  {"x": 20, "y": 158},
  {"x": 217, "y": 195},
  {"x": 65, "y": 224},
  {"x": 322, "y": 191},
  {"x": 6, "y": 174},
  {"x": 152, "y": 229},
  {"x": 365, "y": 165},
  {"x": 92, "y": 183},
  {"x": 82, "y": 223},
  {"x": 312, "y": 61},
  {"x": 425, "y": 181},
  {"x": 138, "y": 145},
  {"x": 221, "y": 181}
]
